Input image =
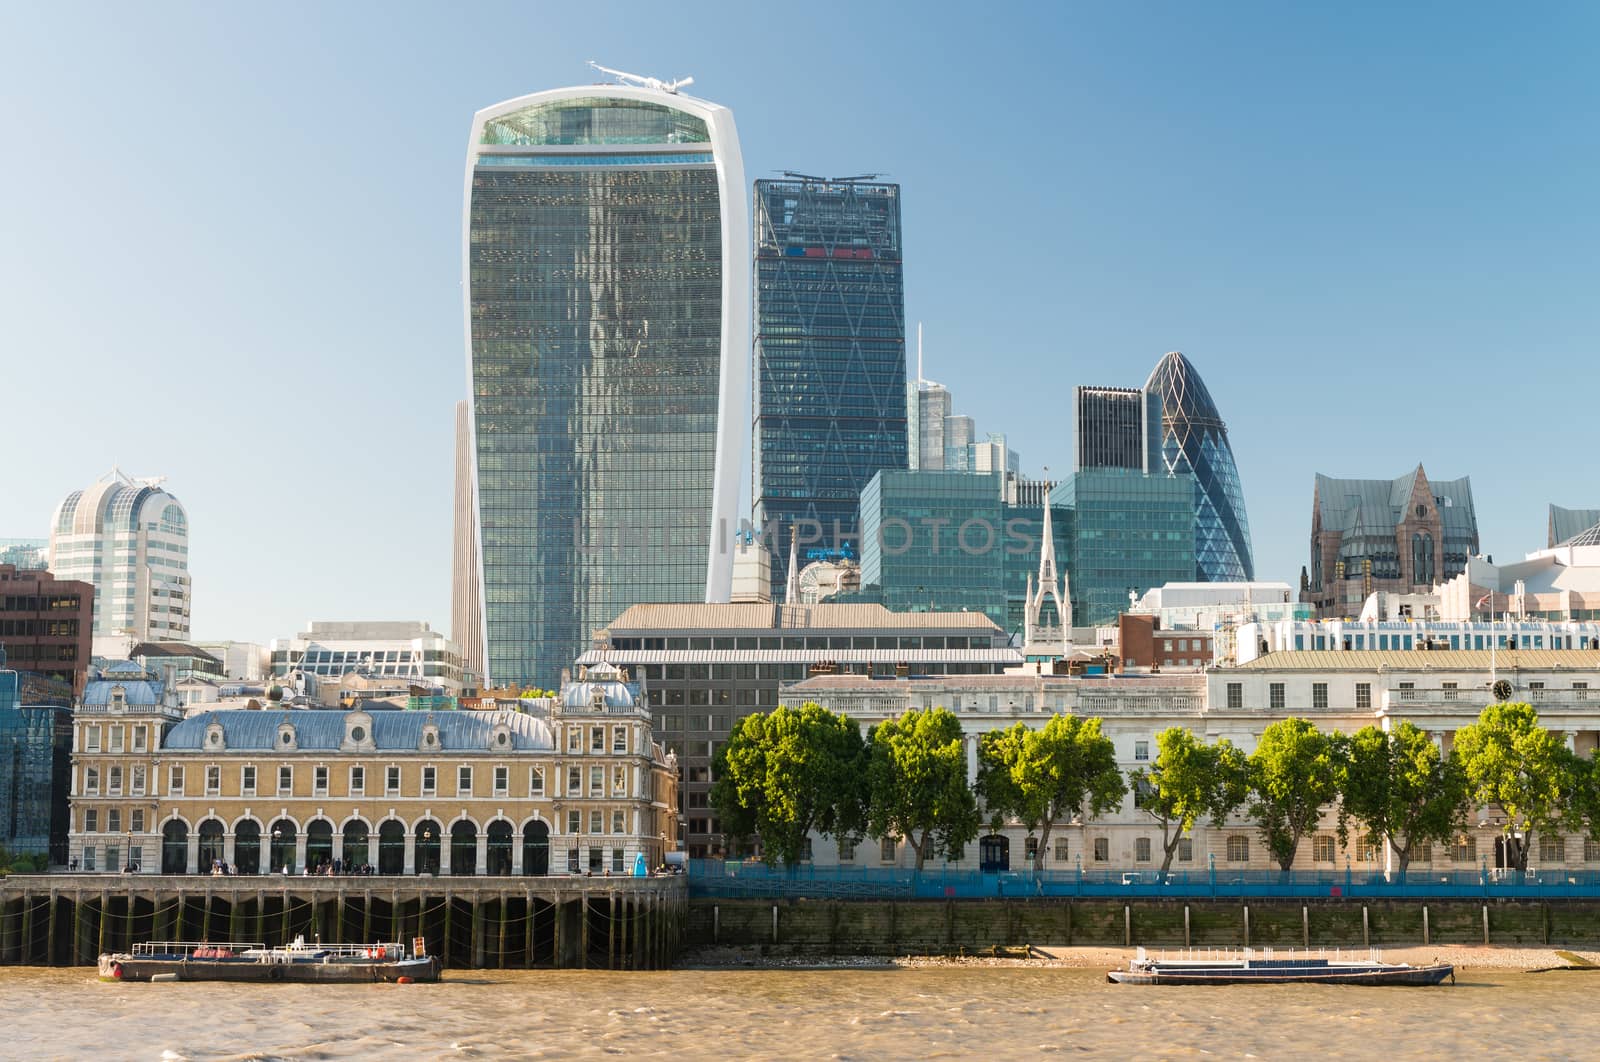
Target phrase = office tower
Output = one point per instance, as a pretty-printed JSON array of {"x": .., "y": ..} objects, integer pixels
[
  {"x": 1132, "y": 531},
  {"x": 927, "y": 407},
  {"x": 466, "y": 604},
  {"x": 1403, "y": 535},
  {"x": 830, "y": 397},
  {"x": 130, "y": 539},
  {"x": 934, "y": 542},
  {"x": 1194, "y": 439},
  {"x": 46, "y": 627},
  {"x": 29, "y": 553},
  {"x": 607, "y": 301},
  {"x": 1118, "y": 427}
]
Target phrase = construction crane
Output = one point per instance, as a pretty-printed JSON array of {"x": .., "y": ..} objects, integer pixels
[{"x": 644, "y": 82}]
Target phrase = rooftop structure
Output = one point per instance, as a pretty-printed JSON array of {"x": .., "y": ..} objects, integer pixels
[
  {"x": 1564, "y": 524},
  {"x": 1118, "y": 427}
]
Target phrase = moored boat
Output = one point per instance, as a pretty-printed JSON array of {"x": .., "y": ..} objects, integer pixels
[
  {"x": 1250, "y": 967},
  {"x": 299, "y": 962}
]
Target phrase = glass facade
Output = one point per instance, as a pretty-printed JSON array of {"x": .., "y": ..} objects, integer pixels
[
  {"x": 1024, "y": 523},
  {"x": 131, "y": 540},
  {"x": 1195, "y": 440},
  {"x": 830, "y": 354},
  {"x": 1118, "y": 428},
  {"x": 595, "y": 292},
  {"x": 936, "y": 542},
  {"x": 1131, "y": 532},
  {"x": 35, "y": 751}
]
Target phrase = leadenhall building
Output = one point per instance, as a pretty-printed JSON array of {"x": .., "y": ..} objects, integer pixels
[{"x": 569, "y": 785}]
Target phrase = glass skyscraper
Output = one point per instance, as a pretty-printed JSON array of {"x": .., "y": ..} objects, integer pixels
[
  {"x": 1131, "y": 531},
  {"x": 1118, "y": 427},
  {"x": 607, "y": 319},
  {"x": 1195, "y": 440},
  {"x": 830, "y": 354},
  {"x": 934, "y": 542}
]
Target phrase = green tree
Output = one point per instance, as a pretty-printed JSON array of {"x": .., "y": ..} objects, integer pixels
[
  {"x": 917, "y": 781},
  {"x": 1397, "y": 786},
  {"x": 1513, "y": 762},
  {"x": 1294, "y": 773},
  {"x": 787, "y": 773},
  {"x": 1041, "y": 777},
  {"x": 1189, "y": 780}
]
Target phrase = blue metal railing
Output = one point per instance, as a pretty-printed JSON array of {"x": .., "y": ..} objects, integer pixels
[{"x": 752, "y": 879}]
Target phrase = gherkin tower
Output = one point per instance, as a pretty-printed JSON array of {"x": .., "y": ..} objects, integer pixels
[{"x": 1194, "y": 439}]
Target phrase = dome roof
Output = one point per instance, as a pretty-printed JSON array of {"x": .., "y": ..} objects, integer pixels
[{"x": 600, "y": 681}]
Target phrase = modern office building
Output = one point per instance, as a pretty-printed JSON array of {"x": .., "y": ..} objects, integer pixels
[
  {"x": 580, "y": 786},
  {"x": 1131, "y": 531},
  {"x": 30, "y": 553},
  {"x": 927, "y": 406},
  {"x": 466, "y": 584},
  {"x": 46, "y": 624},
  {"x": 607, "y": 306},
  {"x": 130, "y": 539},
  {"x": 1403, "y": 535},
  {"x": 1561, "y": 583},
  {"x": 408, "y": 652},
  {"x": 705, "y": 666},
  {"x": 1195, "y": 440},
  {"x": 35, "y": 746},
  {"x": 1565, "y": 524},
  {"x": 1118, "y": 427},
  {"x": 830, "y": 353}
]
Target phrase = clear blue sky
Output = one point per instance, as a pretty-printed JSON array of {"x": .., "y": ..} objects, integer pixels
[{"x": 231, "y": 244}]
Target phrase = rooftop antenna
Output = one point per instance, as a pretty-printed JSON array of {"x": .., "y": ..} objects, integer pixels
[{"x": 656, "y": 83}]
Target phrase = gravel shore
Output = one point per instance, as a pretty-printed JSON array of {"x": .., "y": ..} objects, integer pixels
[{"x": 1463, "y": 956}]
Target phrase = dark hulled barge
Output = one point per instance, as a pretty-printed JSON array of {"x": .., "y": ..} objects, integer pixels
[
  {"x": 299, "y": 962},
  {"x": 1252, "y": 968}
]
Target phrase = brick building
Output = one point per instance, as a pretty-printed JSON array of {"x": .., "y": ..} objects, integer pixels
[{"x": 46, "y": 624}]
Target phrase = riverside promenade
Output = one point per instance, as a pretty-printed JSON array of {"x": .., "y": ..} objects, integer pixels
[{"x": 608, "y": 923}]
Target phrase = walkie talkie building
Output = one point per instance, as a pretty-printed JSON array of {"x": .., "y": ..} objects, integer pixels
[
  {"x": 1194, "y": 439},
  {"x": 607, "y": 302}
]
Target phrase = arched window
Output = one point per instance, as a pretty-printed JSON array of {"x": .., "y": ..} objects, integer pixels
[
  {"x": 392, "y": 847},
  {"x": 354, "y": 850},
  {"x": 464, "y": 848},
  {"x": 429, "y": 838},
  {"x": 175, "y": 848},
  {"x": 498, "y": 855},
  {"x": 319, "y": 844},
  {"x": 281, "y": 849},
  {"x": 247, "y": 847},
  {"x": 211, "y": 852},
  {"x": 536, "y": 848}
]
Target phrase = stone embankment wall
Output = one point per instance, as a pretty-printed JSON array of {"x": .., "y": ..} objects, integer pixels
[{"x": 932, "y": 927}]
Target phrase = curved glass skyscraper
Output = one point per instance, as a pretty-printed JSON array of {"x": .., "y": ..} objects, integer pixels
[
  {"x": 607, "y": 301},
  {"x": 1194, "y": 439}
]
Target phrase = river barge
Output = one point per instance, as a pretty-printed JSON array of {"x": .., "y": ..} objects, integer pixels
[
  {"x": 1264, "y": 968},
  {"x": 298, "y": 962}
]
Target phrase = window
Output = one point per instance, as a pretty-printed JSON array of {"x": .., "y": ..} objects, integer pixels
[
  {"x": 1371, "y": 849},
  {"x": 572, "y": 861},
  {"x": 597, "y": 739},
  {"x": 502, "y": 781},
  {"x": 1186, "y": 850},
  {"x": 114, "y": 781},
  {"x": 1322, "y": 848},
  {"x": 358, "y": 781},
  {"x": 213, "y": 780},
  {"x": 430, "y": 778},
  {"x": 536, "y": 781},
  {"x": 1061, "y": 850},
  {"x": 1465, "y": 850},
  {"x": 619, "y": 781},
  {"x": 1422, "y": 853},
  {"x": 1141, "y": 750},
  {"x": 88, "y": 857},
  {"x": 1551, "y": 849},
  {"x": 1591, "y": 851},
  {"x": 886, "y": 850},
  {"x": 175, "y": 781},
  {"x": 463, "y": 781},
  {"x": 247, "y": 781},
  {"x": 91, "y": 739},
  {"x": 116, "y": 739},
  {"x": 1141, "y": 849},
  {"x": 1363, "y": 695},
  {"x": 574, "y": 822},
  {"x": 138, "y": 780},
  {"x": 114, "y": 821},
  {"x": 616, "y": 860},
  {"x": 319, "y": 781},
  {"x": 391, "y": 780},
  {"x": 91, "y": 820},
  {"x": 1319, "y": 695},
  {"x": 597, "y": 821},
  {"x": 285, "y": 780},
  {"x": 597, "y": 780},
  {"x": 1238, "y": 848},
  {"x": 139, "y": 739},
  {"x": 91, "y": 780},
  {"x": 1102, "y": 850},
  {"x": 1030, "y": 849},
  {"x": 1275, "y": 697},
  {"x": 1450, "y": 690},
  {"x": 619, "y": 739},
  {"x": 618, "y": 821},
  {"x": 136, "y": 820},
  {"x": 1235, "y": 695}
]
